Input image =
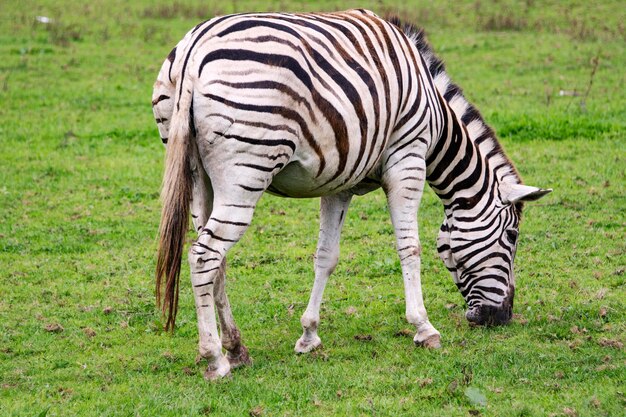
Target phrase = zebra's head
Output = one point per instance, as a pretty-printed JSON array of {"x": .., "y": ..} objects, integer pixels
[{"x": 479, "y": 253}]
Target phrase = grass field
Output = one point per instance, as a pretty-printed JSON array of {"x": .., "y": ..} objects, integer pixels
[{"x": 80, "y": 170}]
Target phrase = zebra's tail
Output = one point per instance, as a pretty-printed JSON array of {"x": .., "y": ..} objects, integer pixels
[{"x": 175, "y": 196}]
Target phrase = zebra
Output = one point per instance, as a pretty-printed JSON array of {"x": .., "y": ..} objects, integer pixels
[{"x": 328, "y": 105}]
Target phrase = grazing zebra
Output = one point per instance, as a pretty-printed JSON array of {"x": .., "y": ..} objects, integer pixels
[{"x": 326, "y": 105}]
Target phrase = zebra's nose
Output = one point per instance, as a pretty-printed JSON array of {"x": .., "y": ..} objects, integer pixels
[
  {"x": 489, "y": 315},
  {"x": 492, "y": 315}
]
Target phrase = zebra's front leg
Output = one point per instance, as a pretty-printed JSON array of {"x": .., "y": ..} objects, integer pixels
[
  {"x": 332, "y": 215},
  {"x": 404, "y": 185},
  {"x": 206, "y": 259}
]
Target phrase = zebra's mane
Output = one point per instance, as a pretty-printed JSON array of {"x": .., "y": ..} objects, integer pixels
[{"x": 479, "y": 132}]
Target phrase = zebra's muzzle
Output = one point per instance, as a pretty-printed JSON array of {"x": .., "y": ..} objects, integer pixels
[{"x": 489, "y": 315}]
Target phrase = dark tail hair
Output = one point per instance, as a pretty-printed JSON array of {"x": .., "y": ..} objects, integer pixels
[{"x": 175, "y": 196}]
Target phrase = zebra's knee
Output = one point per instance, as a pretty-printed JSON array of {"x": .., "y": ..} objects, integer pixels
[
  {"x": 199, "y": 257},
  {"x": 204, "y": 266},
  {"x": 410, "y": 254}
]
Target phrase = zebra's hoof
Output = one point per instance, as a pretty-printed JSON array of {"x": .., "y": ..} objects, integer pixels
[
  {"x": 430, "y": 342},
  {"x": 307, "y": 345}
]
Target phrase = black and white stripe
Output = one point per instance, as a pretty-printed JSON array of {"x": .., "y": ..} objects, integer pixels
[{"x": 337, "y": 104}]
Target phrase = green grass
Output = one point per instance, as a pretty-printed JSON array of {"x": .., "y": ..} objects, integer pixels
[{"x": 81, "y": 165}]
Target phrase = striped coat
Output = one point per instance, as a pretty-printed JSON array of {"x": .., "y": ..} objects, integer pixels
[{"x": 326, "y": 105}]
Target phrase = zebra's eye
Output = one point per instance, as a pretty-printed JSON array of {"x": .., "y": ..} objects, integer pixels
[{"x": 511, "y": 235}]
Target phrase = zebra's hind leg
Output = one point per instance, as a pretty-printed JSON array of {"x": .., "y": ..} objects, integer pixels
[
  {"x": 332, "y": 215},
  {"x": 201, "y": 207},
  {"x": 225, "y": 227},
  {"x": 404, "y": 184},
  {"x": 220, "y": 225}
]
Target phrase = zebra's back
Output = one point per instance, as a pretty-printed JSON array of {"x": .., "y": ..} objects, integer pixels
[{"x": 313, "y": 98}]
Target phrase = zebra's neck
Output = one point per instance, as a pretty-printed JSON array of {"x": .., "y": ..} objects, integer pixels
[
  {"x": 465, "y": 162},
  {"x": 457, "y": 168}
]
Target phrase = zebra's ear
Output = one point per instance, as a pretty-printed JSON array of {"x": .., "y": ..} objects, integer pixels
[{"x": 515, "y": 193}]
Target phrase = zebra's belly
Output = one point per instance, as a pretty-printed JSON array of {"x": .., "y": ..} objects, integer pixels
[{"x": 296, "y": 181}]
